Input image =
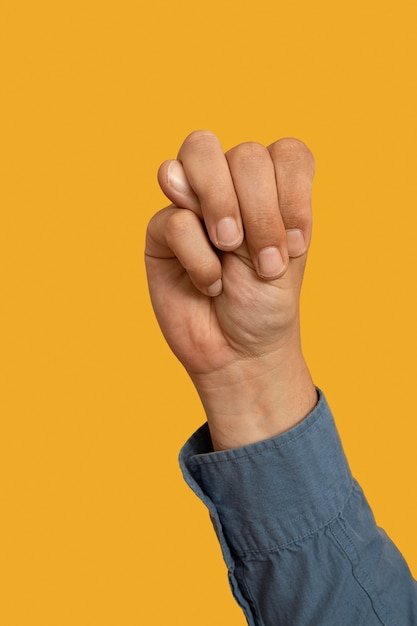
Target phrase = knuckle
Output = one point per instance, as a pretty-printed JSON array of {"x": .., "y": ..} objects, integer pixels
[
  {"x": 218, "y": 193},
  {"x": 292, "y": 149},
  {"x": 156, "y": 219},
  {"x": 295, "y": 209},
  {"x": 248, "y": 151},
  {"x": 179, "y": 224},
  {"x": 266, "y": 222},
  {"x": 199, "y": 136},
  {"x": 204, "y": 272}
]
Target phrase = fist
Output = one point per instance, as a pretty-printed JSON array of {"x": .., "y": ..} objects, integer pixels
[{"x": 225, "y": 260}]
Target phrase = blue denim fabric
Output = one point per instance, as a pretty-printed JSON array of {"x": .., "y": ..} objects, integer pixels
[{"x": 297, "y": 534}]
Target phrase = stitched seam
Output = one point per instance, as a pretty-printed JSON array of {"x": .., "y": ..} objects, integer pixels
[
  {"x": 360, "y": 574},
  {"x": 257, "y": 618},
  {"x": 310, "y": 533}
]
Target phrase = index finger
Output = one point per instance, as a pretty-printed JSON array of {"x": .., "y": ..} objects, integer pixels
[{"x": 207, "y": 171}]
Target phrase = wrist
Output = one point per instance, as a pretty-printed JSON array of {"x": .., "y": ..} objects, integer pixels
[{"x": 255, "y": 399}]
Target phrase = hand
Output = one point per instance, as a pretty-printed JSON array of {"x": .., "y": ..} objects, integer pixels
[{"x": 225, "y": 264}]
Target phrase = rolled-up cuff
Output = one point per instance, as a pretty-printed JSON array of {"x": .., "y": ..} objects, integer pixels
[{"x": 274, "y": 492}]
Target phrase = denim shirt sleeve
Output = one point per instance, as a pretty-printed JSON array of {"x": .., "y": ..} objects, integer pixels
[{"x": 298, "y": 537}]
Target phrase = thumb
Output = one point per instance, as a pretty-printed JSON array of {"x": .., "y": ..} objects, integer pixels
[{"x": 175, "y": 185}]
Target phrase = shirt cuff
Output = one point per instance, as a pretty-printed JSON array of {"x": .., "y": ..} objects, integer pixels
[{"x": 269, "y": 494}]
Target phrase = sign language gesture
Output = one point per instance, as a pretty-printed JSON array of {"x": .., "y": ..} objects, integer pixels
[{"x": 225, "y": 263}]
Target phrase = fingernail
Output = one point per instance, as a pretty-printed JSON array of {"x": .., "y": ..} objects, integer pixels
[
  {"x": 295, "y": 242},
  {"x": 216, "y": 288},
  {"x": 176, "y": 177},
  {"x": 270, "y": 263},
  {"x": 227, "y": 232}
]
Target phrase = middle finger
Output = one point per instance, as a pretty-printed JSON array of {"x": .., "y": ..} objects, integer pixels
[{"x": 254, "y": 179}]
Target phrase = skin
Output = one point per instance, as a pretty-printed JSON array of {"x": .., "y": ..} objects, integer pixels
[{"x": 225, "y": 264}]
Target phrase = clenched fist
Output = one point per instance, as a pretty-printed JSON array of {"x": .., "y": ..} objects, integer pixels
[{"x": 225, "y": 263}]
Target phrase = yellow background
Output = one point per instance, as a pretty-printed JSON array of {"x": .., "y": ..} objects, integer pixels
[{"x": 97, "y": 527}]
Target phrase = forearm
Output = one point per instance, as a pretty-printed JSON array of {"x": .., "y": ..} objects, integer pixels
[{"x": 297, "y": 534}]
